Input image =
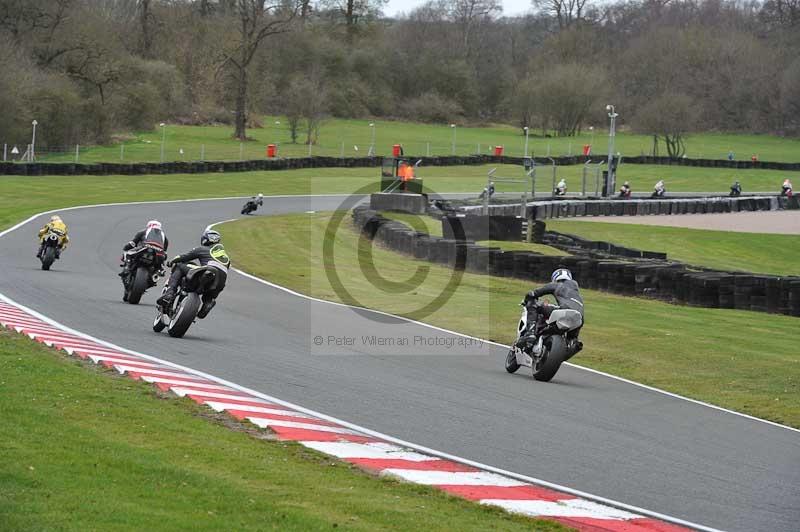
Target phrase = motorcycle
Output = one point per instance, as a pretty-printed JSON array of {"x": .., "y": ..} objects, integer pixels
[
  {"x": 188, "y": 303},
  {"x": 143, "y": 267},
  {"x": 249, "y": 207},
  {"x": 50, "y": 250},
  {"x": 556, "y": 344}
]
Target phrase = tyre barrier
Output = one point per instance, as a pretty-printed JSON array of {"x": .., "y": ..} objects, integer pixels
[
  {"x": 193, "y": 167},
  {"x": 478, "y": 227},
  {"x": 594, "y": 265},
  {"x": 560, "y": 208}
]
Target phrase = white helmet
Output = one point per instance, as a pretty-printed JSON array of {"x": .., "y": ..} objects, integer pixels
[
  {"x": 562, "y": 274},
  {"x": 260, "y": 195},
  {"x": 154, "y": 224},
  {"x": 55, "y": 218}
]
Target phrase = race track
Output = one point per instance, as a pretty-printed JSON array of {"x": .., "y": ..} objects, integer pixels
[{"x": 583, "y": 430}]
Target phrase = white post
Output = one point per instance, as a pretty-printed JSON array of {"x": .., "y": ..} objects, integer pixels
[
  {"x": 527, "y": 131},
  {"x": 309, "y": 148},
  {"x": 341, "y": 151},
  {"x": 77, "y": 153},
  {"x": 5, "y": 152},
  {"x": 163, "y": 138},
  {"x": 121, "y": 152},
  {"x": 372, "y": 144},
  {"x": 427, "y": 149},
  {"x": 32, "y": 156},
  {"x": 611, "y": 131},
  {"x": 241, "y": 151},
  {"x": 202, "y": 152},
  {"x": 453, "y": 127}
]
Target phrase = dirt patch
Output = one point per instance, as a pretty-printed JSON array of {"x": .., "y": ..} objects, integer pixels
[{"x": 775, "y": 222}]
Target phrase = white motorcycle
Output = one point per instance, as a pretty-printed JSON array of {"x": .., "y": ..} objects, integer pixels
[{"x": 557, "y": 343}]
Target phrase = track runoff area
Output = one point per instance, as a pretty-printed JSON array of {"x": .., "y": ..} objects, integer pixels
[{"x": 479, "y": 479}]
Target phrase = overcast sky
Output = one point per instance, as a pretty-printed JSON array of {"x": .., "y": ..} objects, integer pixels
[{"x": 510, "y": 7}]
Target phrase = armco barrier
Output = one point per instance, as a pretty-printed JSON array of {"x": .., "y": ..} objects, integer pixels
[
  {"x": 632, "y": 275},
  {"x": 40, "y": 168}
]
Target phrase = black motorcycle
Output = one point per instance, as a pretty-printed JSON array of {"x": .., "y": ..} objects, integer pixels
[
  {"x": 556, "y": 343},
  {"x": 50, "y": 250},
  {"x": 143, "y": 267},
  {"x": 188, "y": 303},
  {"x": 249, "y": 207}
]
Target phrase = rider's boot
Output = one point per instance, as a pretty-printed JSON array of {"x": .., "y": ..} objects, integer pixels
[
  {"x": 58, "y": 253},
  {"x": 166, "y": 299},
  {"x": 206, "y": 308}
]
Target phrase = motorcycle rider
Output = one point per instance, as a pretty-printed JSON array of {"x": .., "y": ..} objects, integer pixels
[
  {"x": 153, "y": 235},
  {"x": 786, "y": 188},
  {"x": 487, "y": 190},
  {"x": 210, "y": 252},
  {"x": 625, "y": 191},
  {"x": 736, "y": 189},
  {"x": 57, "y": 226},
  {"x": 561, "y": 188},
  {"x": 567, "y": 294},
  {"x": 659, "y": 190}
]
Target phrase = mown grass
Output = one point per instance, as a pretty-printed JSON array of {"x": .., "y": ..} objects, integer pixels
[
  {"x": 741, "y": 360},
  {"x": 338, "y": 136},
  {"x": 725, "y": 250},
  {"x": 83, "y": 450},
  {"x": 427, "y": 224}
]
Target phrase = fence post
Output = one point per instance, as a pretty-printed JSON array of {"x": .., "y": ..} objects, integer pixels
[
  {"x": 241, "y": 151},
  {"x": 341, "y": 152},
  {"x": 121, "y": 152},
  {"x": 77, "y": 153},
  {"x": 202, "y": 152},
  {"x": 309, "y": 148},
  {"x": 479, "y": 148},
  {"x": 5, "y": 151},
  {"x": 427, "y": 149}
]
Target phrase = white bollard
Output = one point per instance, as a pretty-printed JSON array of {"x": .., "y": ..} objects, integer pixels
[
  {"x": 77, "y": 153},
  {"x": 241, "y": 151},
  {"x": 202, "y": 152}
]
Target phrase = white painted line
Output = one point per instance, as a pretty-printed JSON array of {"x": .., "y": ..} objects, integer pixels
[
  {"x": 185, "y": 383},
  {"x": 115, "y": 360},
  {"x": 441, "y": 478},
  {"x": 366, "y": 450},
  {"x": 565, "y": 508},
  {"x": 129, "y": 369}
]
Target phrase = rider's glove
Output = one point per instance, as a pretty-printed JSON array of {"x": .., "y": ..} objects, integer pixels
[{"x": 171, "y": 261}]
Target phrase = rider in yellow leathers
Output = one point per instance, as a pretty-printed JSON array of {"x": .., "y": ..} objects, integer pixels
[{"x": 56, "y": 226}]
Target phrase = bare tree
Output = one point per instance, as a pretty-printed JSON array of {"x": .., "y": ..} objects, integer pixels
[
  {"x": 354, "y": 12},
  {"x": 668, "y": 117},
  {"x": 470, "y": 14},
  {"x": 256, "y": 20},
  {"x": 567, "y": 12}
]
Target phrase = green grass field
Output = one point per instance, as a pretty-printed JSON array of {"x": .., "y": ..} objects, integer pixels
[
  {"x": 85, "y": 449},
  {"x": 341, "y": 137},
  {"x": 21, "y": 196},
  {"x": 736, "y": 359},
  {"x": 725, "y": 250}
]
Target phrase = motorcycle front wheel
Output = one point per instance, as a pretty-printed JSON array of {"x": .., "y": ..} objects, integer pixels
[
  {"x": 48, "y": 257},
  {"x": 511, "y": 361}
]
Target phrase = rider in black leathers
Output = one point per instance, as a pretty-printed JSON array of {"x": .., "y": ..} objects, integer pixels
[
  {"x": 567, "y": 294},
  {"x": 210, "y": 252},
  {"x": 152, "y": 235}
]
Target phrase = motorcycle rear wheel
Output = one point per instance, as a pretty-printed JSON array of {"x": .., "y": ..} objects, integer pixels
[
  {"x": 552, "y": 356},
  {"x": 138, "y": 285},
  {"x": 48, "y": 257},
  {"x": 184, "y": 315}
]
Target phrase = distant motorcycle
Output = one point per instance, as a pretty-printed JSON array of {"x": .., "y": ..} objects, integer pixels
[
  {"x": 250, "y": 206},
  {"x": 50, "y": 250},
  {"x": 556, "y": 343},
  {"x": 188, "y": 303},
  {"x": 143, "y": 267}
]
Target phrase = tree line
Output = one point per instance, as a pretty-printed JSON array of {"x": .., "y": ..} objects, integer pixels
[{"x": 88, "y": 70}]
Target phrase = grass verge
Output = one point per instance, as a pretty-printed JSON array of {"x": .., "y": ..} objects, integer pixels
[
  {"x": 83, "y": 450},
  {"x": 725, "y": 250},
  {"x": 341, "y": 136},
  {"x": 21, "y": 196},
  {"x": 741, "y": 360}
]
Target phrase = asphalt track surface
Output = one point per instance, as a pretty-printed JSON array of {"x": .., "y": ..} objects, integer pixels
[{"x": 583, "y": 430}]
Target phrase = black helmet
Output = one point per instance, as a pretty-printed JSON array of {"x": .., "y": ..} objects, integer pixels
[{"x": 210, "y": 237}]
